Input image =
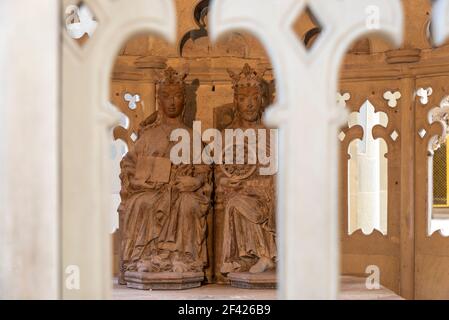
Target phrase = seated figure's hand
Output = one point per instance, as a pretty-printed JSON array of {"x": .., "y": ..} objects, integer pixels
[
  {"x": 188, "y": 184},
  {"x": 137, "y": 185},
  {"x": 226, "y": 182}
]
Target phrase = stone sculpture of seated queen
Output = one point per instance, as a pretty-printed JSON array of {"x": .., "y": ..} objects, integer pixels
[{"x": 249, "y": 238}]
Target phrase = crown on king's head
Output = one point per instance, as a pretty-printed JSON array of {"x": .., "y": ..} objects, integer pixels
[
  {"x": 248, "y": 77},
  {"x": 172, "y": 77}
]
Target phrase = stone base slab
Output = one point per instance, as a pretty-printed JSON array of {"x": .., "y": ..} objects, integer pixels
[
  {"x": 163, "y": 280},
  {"x": 246, "y": 280}
]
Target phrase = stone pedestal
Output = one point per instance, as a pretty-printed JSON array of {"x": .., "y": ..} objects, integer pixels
[
  {"x": 246, "y": 280},
  {"x": 163, "y": 280}
]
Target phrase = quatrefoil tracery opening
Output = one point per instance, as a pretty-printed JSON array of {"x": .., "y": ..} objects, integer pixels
[{"x": 80, "y": 22}]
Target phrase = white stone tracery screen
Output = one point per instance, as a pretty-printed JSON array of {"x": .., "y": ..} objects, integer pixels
[
  {"x": 306, "y": 76},
  {"x": 311, "y": 275},
  {"x": 86, "y": 124},
  {"x": 307, "y": 82}
]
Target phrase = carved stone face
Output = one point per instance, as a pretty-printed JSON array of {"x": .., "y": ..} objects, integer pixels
[
  {"x": 171, "y": 100},
  {"x": 248, "y": 102}
]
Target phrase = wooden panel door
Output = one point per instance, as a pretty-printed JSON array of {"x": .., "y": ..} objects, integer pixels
[
  {"x": 381, "y": 250},
  {"x": 431, "y": 249}
]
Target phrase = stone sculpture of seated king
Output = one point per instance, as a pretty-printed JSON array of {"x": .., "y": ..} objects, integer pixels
[{"x": 164, "y": 206}]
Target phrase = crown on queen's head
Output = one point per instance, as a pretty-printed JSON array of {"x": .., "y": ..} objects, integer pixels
[
  {"x": 248, "y": 77},
  {"x": 172, "y": 77}
]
